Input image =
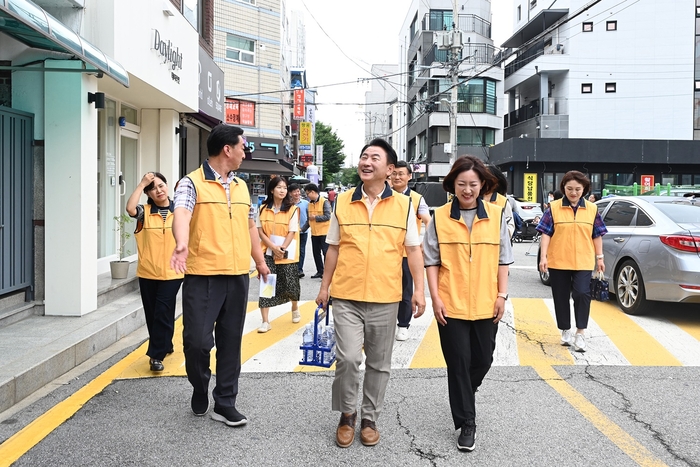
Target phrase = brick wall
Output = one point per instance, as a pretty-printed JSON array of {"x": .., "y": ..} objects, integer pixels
[
  {"x": 177, "y": 3},
  {"x": 206, "y": 37}
]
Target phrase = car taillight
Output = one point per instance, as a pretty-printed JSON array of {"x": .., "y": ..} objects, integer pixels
[
  {"x": 528, "y": 207},
  {"x": 681, "y": 242}
]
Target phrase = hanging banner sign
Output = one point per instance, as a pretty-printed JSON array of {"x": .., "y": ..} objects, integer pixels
[
  {"x": 299, "y": 109},
  {"x": 647, "y": 183},
  {"x": 305, "y": 133},
  {"x": 530, "y": 188}
]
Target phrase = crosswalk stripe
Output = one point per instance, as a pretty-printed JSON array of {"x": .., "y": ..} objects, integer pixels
[
  {"x": 429, "y": 352},
  {"x": 506, "y": 353},
  {"x": 637, "y": 345},
  {"x": 682, "y": 345},
  {"x": 537, "y": 334}
]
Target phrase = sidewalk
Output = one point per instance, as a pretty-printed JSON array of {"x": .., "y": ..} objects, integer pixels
[{"x": 38, "y": 349}]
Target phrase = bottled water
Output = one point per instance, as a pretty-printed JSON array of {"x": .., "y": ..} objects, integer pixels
[{"x": 308, "y": 339}]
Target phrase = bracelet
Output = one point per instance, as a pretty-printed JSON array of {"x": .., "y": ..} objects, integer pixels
[{"x": 599, "y": 256}]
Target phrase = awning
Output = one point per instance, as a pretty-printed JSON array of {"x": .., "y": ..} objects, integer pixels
[
  {"x": 31, "y": 25},
  {"x": 537, "y": 25},
  {"x": 264, "y": 167}
]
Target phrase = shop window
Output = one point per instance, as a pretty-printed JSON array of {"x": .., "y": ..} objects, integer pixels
[
  {"x": 192, "y": 11},
  {"x": 611, "y": 26},
  {"x": 240, "y": 49},
  {"x": 586, "y": 88},
  {"x": 610, "y": 87},
  {"x": 588, "y": 27},
  {"x": 130, "y": 114}
]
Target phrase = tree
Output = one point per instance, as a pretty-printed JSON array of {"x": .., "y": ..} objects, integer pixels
[
  {"x": 333, "y": 156},
  {"x": 349, "y": 176}
]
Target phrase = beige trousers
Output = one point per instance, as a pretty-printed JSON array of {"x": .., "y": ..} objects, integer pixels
[{"x": 371, "y": 324}]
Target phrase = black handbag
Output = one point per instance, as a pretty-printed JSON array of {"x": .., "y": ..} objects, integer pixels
[{"x": 599, "y": 287}]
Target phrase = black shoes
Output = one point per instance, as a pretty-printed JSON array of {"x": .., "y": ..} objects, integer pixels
[
  {"x": 199, "y": 403},
  {"x": 317, "y": 276},
  {"x": 467, "y": 437},
  {"x": 301, "y": 274},
  {"x": 156, "y": 365},
  {"x": 228, "y": 415}
]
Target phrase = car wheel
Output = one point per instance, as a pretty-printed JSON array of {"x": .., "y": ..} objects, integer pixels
[
  {"x": 544, "y": 276},
  {"x": 629, "y": 289}
]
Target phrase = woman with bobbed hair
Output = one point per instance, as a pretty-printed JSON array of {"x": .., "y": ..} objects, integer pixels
[
  {"x": 570, "y": 249},
  {"x": 467, "y": 251}
]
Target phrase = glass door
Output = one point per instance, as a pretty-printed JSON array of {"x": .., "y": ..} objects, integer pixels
[
  {"x": 107, "y": 179},
  {"x": 128, "y": 181}
]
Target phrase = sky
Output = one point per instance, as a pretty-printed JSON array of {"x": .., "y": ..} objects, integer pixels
[{"x": 344, "y": 40}]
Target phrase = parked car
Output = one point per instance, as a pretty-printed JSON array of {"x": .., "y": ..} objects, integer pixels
[
  {"x": 652, "y": 250},
  {"x": 433, "y": 193},
  {"x": 526, "y": 210}
]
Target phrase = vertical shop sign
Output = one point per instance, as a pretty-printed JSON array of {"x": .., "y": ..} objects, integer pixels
[
  {"x": 299, "y": 109},
  {"x": 240, "y": 112},
  {"x": 647, "y": 183},
  {"x": 247, "y": 113},
  {"x": 305, "y": 133},
  {"x": 530, "y": 190}
]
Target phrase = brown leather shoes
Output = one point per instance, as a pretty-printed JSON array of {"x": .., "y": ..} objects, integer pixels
[
  {"x": 369, "y": 435},
  {"x": 345, "y": 434}
]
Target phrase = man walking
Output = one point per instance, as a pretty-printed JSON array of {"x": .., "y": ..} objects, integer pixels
[
  {"x": 400, "y": 177},
  {"x": 303, "y": 205},
  {"x": 215, "y": 235},
  {"x": 369, "y": 230},
  {"x": 319, "y": 220}
]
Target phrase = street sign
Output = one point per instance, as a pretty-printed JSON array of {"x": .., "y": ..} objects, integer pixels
[
  {"x": 305, "y": 147},
  {"x": 530, "y": 188}
]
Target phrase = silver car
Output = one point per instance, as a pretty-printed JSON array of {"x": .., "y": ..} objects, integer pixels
[
  {"x": 527, "y": 210},
  {"x": 652, "y": 250}
]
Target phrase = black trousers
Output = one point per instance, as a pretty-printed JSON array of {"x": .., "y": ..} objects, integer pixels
[
  {"x": 302, "y": 249},
  {"x": 158, "y": 298},
  {"x": 468, "y": 350},
  {"x": 214, "y": 307},
  {"x": 319, "y": 245},
  {"x": 574, "y": 284},
  {"x": 406, "y": 295}
]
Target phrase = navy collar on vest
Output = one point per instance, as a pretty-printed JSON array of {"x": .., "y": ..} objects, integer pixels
[
  {"x": 155, "y": 207},
  {"x": 480, "y": 209},
  {"x": 581, "y": 202},
  {"x": 357, "y": 194},
  {"x": 494, "y": 197},
  {"x": 209, "y": 173}
]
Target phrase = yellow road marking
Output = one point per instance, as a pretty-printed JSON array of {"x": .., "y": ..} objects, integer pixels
[
  {"x": 607, "y": 427},
  {"x": 537, "y": 335},
  {"x": 637, "y": 345},
  {"x": 691, "y": 326},
  {"x": 251, "y": 307},
  {"x": 429, "y": 352},
  {"x": 25, "y": 439}
]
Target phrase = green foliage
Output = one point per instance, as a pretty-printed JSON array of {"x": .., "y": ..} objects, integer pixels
[
  {"x": 333, "y": 156},
  {"x": 124, "y": 234},
  {"x": 349, "y": 176}
]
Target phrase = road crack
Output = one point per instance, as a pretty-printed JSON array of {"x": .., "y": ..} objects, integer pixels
[{"x": 426, "y": 454}]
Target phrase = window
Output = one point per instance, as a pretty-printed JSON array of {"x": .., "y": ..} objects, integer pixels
[
  {"x": 588, "y": 27},
  {"x": 602, "y": 206},
  {"x": 130, "y": 114},
  {"x": 476, "y": 136},
  {"x": 586, "y": 88},
  {"x": 440, "y": 20},
  {"x": 240, "y": 49},
  {"x": 643, "y": 220},
  {"x": 620, "y": 214},
  {"x": 610, "y": 87},
  {"x": 611, "y": 26},
  {"x": 533, "y": 4},
  {"x": 192, "y": 11},
  {"x": 520, "y": 13},
  {"x": 252, "y": 2}
]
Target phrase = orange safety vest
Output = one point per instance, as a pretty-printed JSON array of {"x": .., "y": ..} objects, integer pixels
[
  {"x": 316, "y": 209},
  {"x": 571, "y": 247},
  {"x": 277, "y": 223},
  {"x": 155, "y": 242}
]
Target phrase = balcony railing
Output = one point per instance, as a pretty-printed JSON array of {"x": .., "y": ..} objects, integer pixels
[
  {"x": 469, "y": 104},
  {"x": 465, "y": 23},
  {"x": 479, "y": 53},
  {"x": 524, "y": 57},
  {"x": 522, "y": 114}
]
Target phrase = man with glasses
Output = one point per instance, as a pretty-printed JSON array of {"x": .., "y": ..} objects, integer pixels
[
  {"x": 215, "y": 235},
  {"x": 399, "y": 178}
]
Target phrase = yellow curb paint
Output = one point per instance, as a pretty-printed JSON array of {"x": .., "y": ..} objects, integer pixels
[
  {"x": 637, "y": 345},
  {"x": 282, "y": 327},
  {"x": 429, "y": 352},
  {"x": 691, "y": 326},
  {"x": 252, "y": 306},
  {"x": 636, "y": 451},
  {"x": 537, "y": 336},
  {"x": 25, "y": 439},
  {"x": 174, "y": 363}
]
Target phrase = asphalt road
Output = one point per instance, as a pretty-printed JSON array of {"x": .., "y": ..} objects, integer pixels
[{"x": 538, "y": 414}]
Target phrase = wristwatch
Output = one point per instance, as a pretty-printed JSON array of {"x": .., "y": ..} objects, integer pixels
[
  {"x": 599, "y": 256},
  {"x": 504, "y": 296}
]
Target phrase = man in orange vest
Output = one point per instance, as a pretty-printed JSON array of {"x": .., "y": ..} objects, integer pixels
[
  {"x": 319, "y": 220},
  {"x": 215, "y": 236}
]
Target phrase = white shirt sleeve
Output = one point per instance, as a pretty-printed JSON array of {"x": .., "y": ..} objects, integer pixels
[
  {"x": 333, "y": 235},
  {"x": 423, "y": 207},
  {"x": 294, "y": 222},
  {"x": 412, "y": 235}
]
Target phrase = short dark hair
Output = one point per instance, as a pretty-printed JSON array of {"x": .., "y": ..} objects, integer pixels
[
  {"x": 464, "y": 164},
  {"x": 311, "y": 187},
  {"x": 403, "y": 165},
  {"x": 222, "y": 135},
  {"x": 577, "y": 176},
  {"x": 501, "y": 181},
  {"x": 557, "y": 195},
  {"x": 391, "y": 157},
  {"x": 293, "y": 187},
  {"x": 152, "y": 185}
]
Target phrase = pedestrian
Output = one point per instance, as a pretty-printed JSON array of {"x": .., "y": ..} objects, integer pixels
[
  {"x": 570, "y": 248},
  {"x": 593, "y": 197},
  {"x": 370, "y": 228},
  {"x": 278, "y": 227},
  {"x": 498, "y": 197},
  {"x": 215, "y": 236},
  {"x": 319, "y": 220},
  {"x": 400, "y": 177},
  {"x": 467, "y": 251},
  {"x": 158, "y": 283},
  {"x": 303, "y": 205},
  {"x": 331, "y": 197}
]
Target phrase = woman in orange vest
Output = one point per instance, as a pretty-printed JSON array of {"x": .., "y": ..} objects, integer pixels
[
  {"x": 278, "y": 226},
  {"x": 570, "y": 249},
  {"x": 467, "y": 251},
  {"x": 158, "y": 283}
]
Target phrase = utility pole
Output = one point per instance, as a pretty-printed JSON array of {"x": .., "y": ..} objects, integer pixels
[{"x": 455, "y": 55}]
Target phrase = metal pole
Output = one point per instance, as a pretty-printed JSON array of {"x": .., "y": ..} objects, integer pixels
[{"x": 454, "y": 71}]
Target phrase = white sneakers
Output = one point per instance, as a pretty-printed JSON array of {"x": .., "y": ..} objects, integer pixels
[
  {"x": 264, "y": 327},
  {"x": 566, "y": 337},
  {"x": 579, "y": 343},
  {"x": 296, "y": 316},
  {"x": 577, "y": 340},
  {"x": 402, "y": 334}
]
